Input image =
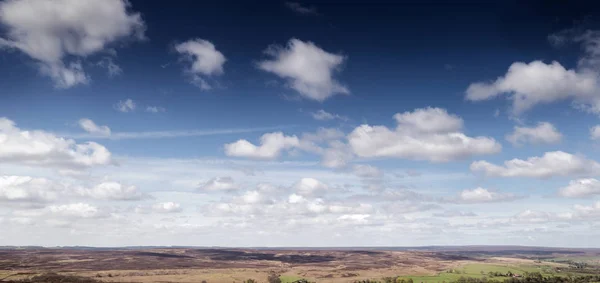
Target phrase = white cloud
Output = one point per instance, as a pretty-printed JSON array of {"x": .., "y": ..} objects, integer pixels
[
  {"x": 323, "y": 135},
  {"x": 366, "y": 171},
  {"x": 592, "y": 211},
  {"x": 219, "y": 184},
  {"x": 112, "y": 69},
  {"x": 75, "y": 210},
  {"x": 155, "y": 109},
  {"x": 424, "y": 134},
  {"x": 532, "y": 216},
  {"x": 429, "y": 120},
  {"x": 323, "y": 115},
  {"x": 308, "y": 69},
  {"x": 310, "y": 187},
  {"x": 589, "y": 40},
  {"x": 555, "y": 163},
  {"x": 528, "y": 85},
  {"x": 581, "y": 188},
  {"x": 125, "y": 106},
  {"x": 44, "y": 149},
  {"x": 455, "y": 213},
  {"x": 337, "y": 155},
  {"x": 271, "y": 146},
  {"x": 256, "y": 197},
  {"x": 112, "y": 191},
  {"x": 205, "y": 60},
  {"x": 543, "y": 133},
  {"x": 299, "y": 9},
  {"x": 91, "y": 127},
  {"x": 294, "y": 198},
  {"x": 481, "y": 195},
  {"x": 167, "y": 207},
  {"x": 27, "y": 189},
  {"x": 595, "y": 132},
  {"x": 65, "y": 76},
  {"x": 50, "y": 31},
  {"x": 355, "y": 218}
]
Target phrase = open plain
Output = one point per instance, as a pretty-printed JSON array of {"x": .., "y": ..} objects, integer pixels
[{"x": 433, "y": 264}]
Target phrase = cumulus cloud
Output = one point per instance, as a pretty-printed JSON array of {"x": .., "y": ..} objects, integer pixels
[
  {"x": 27, "y": 189},
  {"x": 481, "y": 195},
  {"x": 324, "y": 142},
  {"x": 595, "y": 133},
  {"x": 323, "y": 115},
  {"x": 581, "y": 188},
  {"x": 307, "y": 68},
  {"x": 424, "y": 134},
  {"x": 75, "y": 210},
  {"x": 584, "y": 211},
  {"x": 538, "y": 83},
  {"x": 45, "y": 149},
  {"x": 219, "y": 184},
  {"x": 51, "y": 31},
  {"x": 543, "y": 133},
  {"x": 258, "y": 196},
  {"x": 555, "y": 163},
  {"x": 310, "y": 187},
  {"x": 112, "y": 191},
  {"x": 167, "y": 207},
  {"x": 528, "y": 85},
  {"x": 91, "y": 127},
  {"x": 291, "y": 208},
  {"x": 125, "y": 106},
  {"x": 271, "y": 146},
  {"x": 205, "y": 59}
]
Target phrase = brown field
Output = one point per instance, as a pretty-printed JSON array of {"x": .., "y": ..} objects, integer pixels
[{"x": 236, "y": 265}]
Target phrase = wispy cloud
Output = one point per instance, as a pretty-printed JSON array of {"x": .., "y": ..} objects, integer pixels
[
  {"x": 323, "y": 115},
  {"x": 170, "y": 134},
  {"x": 301, "y": 9}
]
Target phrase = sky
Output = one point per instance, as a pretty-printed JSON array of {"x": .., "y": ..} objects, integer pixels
[{"x": 323, "y": 123}]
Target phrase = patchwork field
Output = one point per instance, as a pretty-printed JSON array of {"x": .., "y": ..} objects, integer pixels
[{"x": 318, "y": 265}]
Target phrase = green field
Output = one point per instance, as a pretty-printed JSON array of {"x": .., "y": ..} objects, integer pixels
[
  {"x": 288, "y": 278},
  {"x": 479, "y": 270},
  {"x": 588, "y": 259}
]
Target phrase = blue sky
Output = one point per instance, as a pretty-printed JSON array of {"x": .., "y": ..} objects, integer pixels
[{"x": 299, "y": 123}]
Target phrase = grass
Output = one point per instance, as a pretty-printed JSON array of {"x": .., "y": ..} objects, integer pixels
[
  {"x": 590, "y": 259},
  {"x": 479, "y": 270}
]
